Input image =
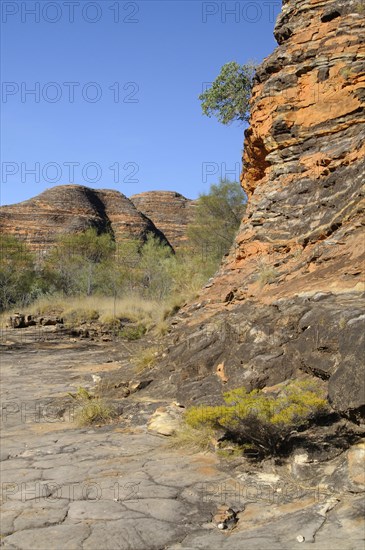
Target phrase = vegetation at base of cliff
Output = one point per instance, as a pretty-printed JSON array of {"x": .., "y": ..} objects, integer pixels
[
  {"x": 91, "y": 265},
  {"x": 218, "y": 215},
  {"x": 20, "y": 281},
  {"x": 228, "y": 98},
  {"x": 262, "y": 423},
  {"x": 88, "y": 277},
  {"x": 140, "y": 284}
]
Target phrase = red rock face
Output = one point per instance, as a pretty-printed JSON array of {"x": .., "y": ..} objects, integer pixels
[
  {"x": 169, "y": 211},
  {"x": 304, "y": 157},
  {"x": 290, "y": 296},
  {"x": 68, "y": 209}
]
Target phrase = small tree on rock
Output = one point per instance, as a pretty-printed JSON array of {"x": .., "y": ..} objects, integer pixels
[{"x": 229, "y": 96}]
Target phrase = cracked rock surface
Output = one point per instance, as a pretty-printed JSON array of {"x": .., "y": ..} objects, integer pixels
[{"x": 119, "y": 486}]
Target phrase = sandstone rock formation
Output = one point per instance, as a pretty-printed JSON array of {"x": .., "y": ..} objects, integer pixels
[
  {"x": 68, "y": 209},
  {"x": 169, "y": 211},
  {"x": 290, "y": 296}
]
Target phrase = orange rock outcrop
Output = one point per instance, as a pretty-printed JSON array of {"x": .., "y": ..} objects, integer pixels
[{"x": 289, "y": 298}]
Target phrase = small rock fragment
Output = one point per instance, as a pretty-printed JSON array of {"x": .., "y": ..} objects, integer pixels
[{"x": 225, "y": 517}]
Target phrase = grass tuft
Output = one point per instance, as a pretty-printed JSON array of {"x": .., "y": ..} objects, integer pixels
[
  {"x": 187, "y": 437},
  {"x": 91, "y": 409},
  {"x": 145, "y": 359},
  {"x": 267, "y": 274},
  {"x": 96, "y": 411}
]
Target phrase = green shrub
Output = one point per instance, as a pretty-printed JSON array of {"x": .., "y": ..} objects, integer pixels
[{"x": 262, "y": 421}]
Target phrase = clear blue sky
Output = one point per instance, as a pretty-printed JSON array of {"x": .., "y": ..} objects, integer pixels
[{"x": 157, "y": 55}]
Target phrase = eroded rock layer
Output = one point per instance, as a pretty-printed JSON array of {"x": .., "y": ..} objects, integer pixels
[
  {"x": 169, "y": 211},
  {"x": 68, "y": 209},
  {"x": 290, "y": 295}
]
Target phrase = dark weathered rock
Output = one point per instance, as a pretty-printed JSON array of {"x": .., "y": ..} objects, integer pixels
[
  {"x": 347, "y": 385},
  {"x": 17, "y": 321},
  {"x": 289, "y": 296}
]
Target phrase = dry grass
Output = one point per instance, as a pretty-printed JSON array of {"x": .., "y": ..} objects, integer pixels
[
  {"x": 190, "y": 438},
  {"x": 162, "y": 328},
  {"x": 92, "y": 409},
  {"x": 95, "y": 411},
  {"x": 144, "y": 314},
  {"x": 267, "y": 274},
  {"x": 145, "y": 359},
  {"x": 105, "y": 309}
]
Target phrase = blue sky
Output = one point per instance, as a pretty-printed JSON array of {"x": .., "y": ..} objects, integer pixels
[{"x": 115, "y": 102}]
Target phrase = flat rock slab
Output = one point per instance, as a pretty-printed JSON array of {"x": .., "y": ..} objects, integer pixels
[
  {"x": 49, "y": 538},
  {"x": 134, "y": 534},
  {"x": 65, "y": 487}
]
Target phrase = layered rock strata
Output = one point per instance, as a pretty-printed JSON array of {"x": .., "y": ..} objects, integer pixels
[
  {"x": 68, "y": 209},
  {"x": 289, "y": 298},
  {"x": 169, "y": 211}
]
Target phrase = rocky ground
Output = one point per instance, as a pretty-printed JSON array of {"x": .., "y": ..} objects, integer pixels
[
  {"x": 287, "y": 299},
  {"x": 120, "y": 486}
]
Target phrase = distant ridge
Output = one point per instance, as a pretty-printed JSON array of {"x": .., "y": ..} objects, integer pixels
[{"x": 68, "y": 209}]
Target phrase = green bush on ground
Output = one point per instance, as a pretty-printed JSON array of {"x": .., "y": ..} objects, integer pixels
[
  {"x": 261, "y": 421},
  {"x": 134, "y": 332}
]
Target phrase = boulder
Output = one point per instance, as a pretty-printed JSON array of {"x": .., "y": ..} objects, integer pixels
[{"x": 166, "y": 420}]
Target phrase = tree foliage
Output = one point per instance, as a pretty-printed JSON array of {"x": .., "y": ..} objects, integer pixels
[
  {"x": 77, "y": 262},
  {"x": 217, "y": 217},
  {"x": 17, "y": 272},
  {"x": 229, "y": 96},
  {"x": 90, "y": 264}
]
